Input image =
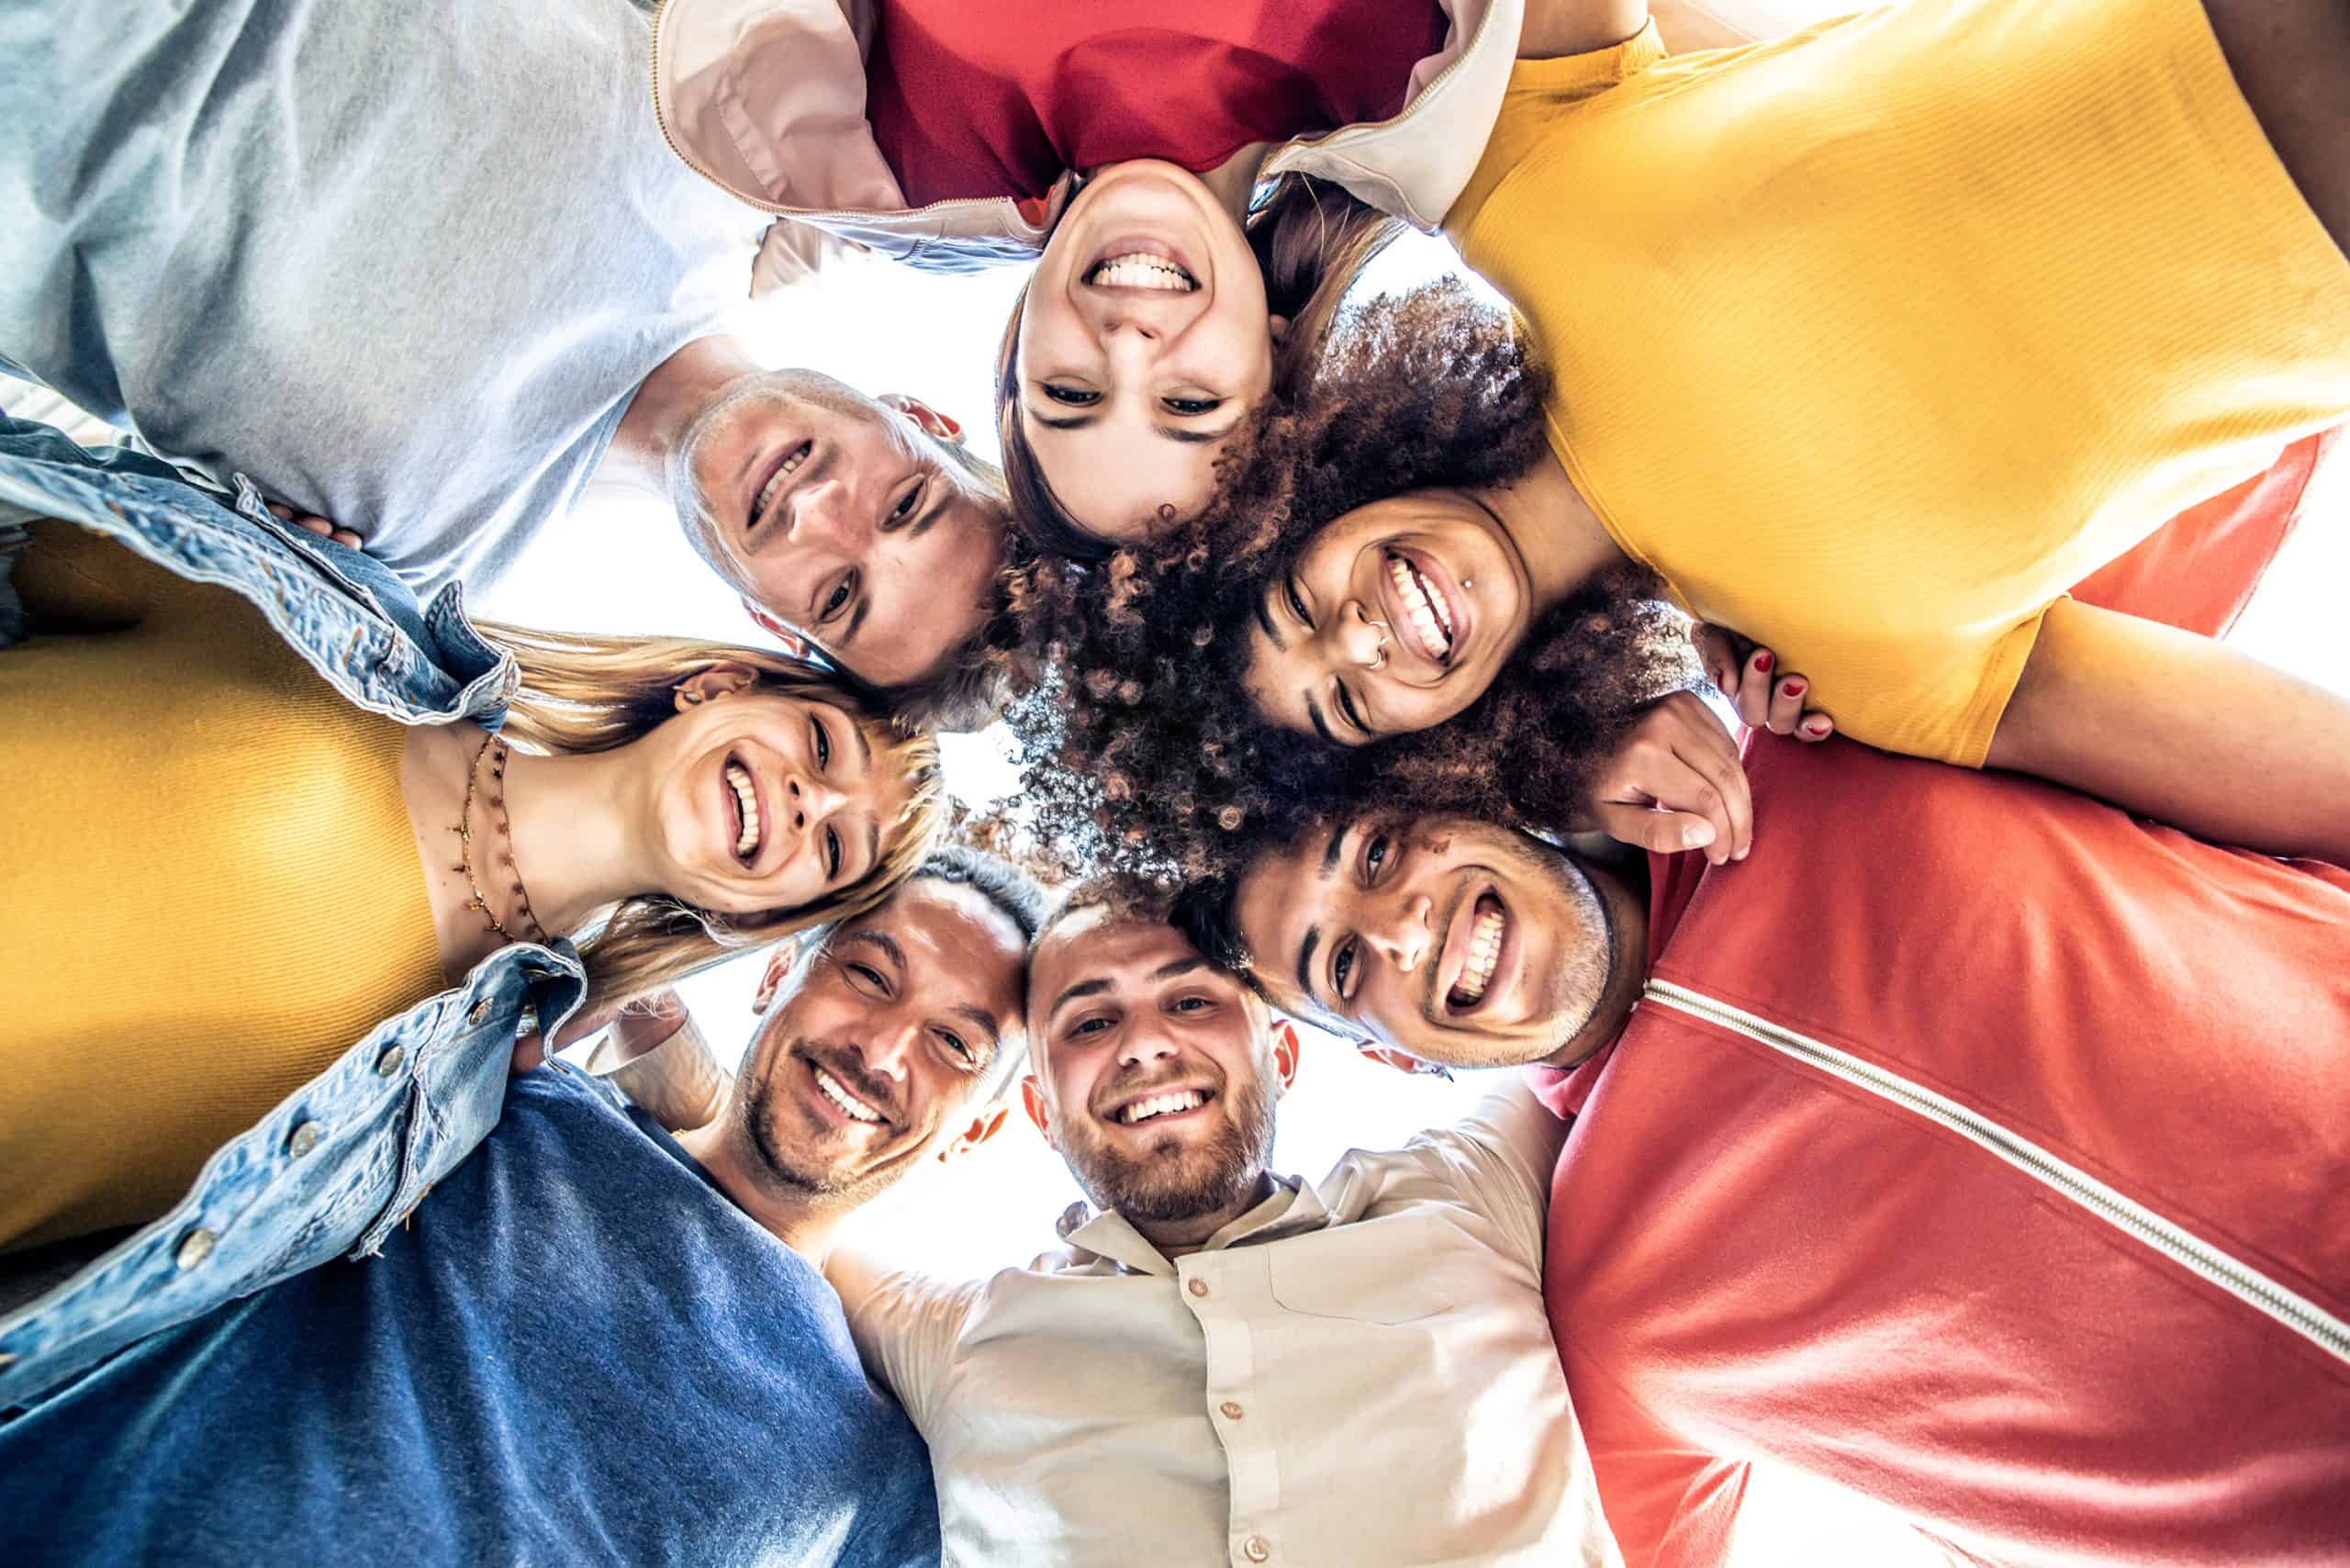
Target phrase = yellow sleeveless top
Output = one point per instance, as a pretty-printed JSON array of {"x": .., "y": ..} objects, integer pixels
[
  {"x": 210, "y": 886},
  {"x": 1875, "y": 340}
]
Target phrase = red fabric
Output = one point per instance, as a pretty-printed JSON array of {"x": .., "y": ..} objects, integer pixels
[
  {"x": 999, "y": 97},
  {"x": 1750, "y": 1259}
]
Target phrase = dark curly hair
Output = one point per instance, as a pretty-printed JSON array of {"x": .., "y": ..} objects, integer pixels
[{"x": 1139, "y": 746}]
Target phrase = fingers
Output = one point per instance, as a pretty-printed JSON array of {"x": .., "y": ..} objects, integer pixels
[
  {"x": 1786, "y": 704},
  {"x": 316, "y": 525},
  {"x": 1718, "y": 654},
  {"x": 1660, "y": 832},
  {"x": 1754, "y": 695},
  {"x": 1815, "y": 727},
  {"x": 1711, "y": 755}
]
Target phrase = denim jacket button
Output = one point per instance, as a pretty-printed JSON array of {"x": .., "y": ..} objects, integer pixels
[
  {"x": 8, "y": 1359},
  {"x": 195, "y": 1247},
  {"x": 390, "y": 1062},
  {"x": 480, "y": 1013},
  {"x": 304, "y": 1139}
]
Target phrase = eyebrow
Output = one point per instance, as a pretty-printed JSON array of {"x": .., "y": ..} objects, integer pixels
[
  {"x": 1195, "y": 438},
  {"x": 1074, "y": 422},
  {"x": 1314, "y": 934},
  {"x": 981, "y": 1018},
  {"x": 856, "y": 620},
  {"x": 881, "y": 939},
  {"x": 1321, "y": 726},
  {"x": 1081, "y": 989}
]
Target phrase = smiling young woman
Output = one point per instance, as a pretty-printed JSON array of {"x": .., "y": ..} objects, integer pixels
[{"x": 225, "y": 871}]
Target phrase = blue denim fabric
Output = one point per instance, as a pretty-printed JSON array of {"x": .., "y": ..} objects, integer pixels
[
  {"x": 332, "y": 1168},
  {"x": 580, "y": 1353}
]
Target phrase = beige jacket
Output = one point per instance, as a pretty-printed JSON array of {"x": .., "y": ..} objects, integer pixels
[{"x": 766, "y": 99}]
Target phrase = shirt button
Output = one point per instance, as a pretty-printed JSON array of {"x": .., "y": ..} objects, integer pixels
[
  {"x": 8, "y": 1359},
  {"x": 390, "y": 1062},
  {"x": 304, "y": 1139},
  {"x": 1198, "y": 1287},
  {"x": 1254, "y": 1549},
  {"x": 1232, "y": 1412},
  {"x": 195, "y": 1247},
  {"x": 480, "y": 1013}
]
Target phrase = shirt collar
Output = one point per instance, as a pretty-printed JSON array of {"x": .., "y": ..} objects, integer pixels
[{"x": 1292, "y": 1208}]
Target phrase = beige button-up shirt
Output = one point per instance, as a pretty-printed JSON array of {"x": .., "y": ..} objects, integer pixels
[{"x": 1355, "y": 1372}]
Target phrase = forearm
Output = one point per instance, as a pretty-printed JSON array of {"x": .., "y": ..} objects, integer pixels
[
  {"x": 2177, "y": 727},
  {"x": 660, "y": 1060}
]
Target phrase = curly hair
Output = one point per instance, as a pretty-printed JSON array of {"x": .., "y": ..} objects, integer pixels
[{"x": 1139, "y": 746}]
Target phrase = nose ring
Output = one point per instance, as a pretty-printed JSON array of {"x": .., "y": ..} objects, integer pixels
[{"x": 1381, "y": 663}]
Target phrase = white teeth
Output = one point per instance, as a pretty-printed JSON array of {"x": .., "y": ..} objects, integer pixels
[
  {"x": 775, "y": 482},
  {"x": 1162, "y": 1104},
  {"x": 1142, "y": 272},
  {"x": 1425, "y": 615},
  {"x": 749, "y": 800},
  {"x": 1485, "y": 952},
  {"x": 857, "y": 1109}
]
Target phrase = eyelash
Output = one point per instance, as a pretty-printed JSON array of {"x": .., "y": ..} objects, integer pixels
[
  {"x": 832, "y": 853},
  {"x": 1375, "y": 851},
  {"x": 1190, "y": 408},
  {"x": 1070, "y": 395},
  {"x": 823, "y": 745},
  {"x": 905, "y": 509},
  {"x": 1296, "y": 603},
  {"x": 956, "y": 1041},
  {"x": 839, "y": 599}
]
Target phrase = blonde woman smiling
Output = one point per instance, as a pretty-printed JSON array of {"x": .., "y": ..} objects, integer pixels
[{"x": 262, "y": 804}]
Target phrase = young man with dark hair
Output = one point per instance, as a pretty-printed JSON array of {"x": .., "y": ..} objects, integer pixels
[
  {"x": 424, "y": 276},
  {"x": 1221, "y": 1364},
  {"x": 1972, "y": 1145},
  {"x": 594, "y": 1342}
]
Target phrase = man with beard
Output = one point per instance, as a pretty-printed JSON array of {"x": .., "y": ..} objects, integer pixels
[
  {"x": 423, "y": 274},
  {"x": 1972, "y": 1145},
  {"x": 593, "y": 1343},
  {"x": 1221, "y": 1364}
]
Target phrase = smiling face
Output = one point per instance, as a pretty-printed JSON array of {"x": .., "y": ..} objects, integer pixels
[
  {"x": 1144, "y": 340},
  {"x": 761, "y": 800},
  {"x": 885, "y": 1052},
  {"x": 1396, "y": 617},
  {"x": 1454, "y": 941},
  {"x": 1156, "y": 1073},
  {"x": 843, "y": 518}
]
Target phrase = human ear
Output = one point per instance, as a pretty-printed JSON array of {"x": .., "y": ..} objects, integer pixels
[
  {"x": 780, "y": 962},
  {"x": 721, "y": 679},
  {"x": 1031, "y": 1100},
  {"x": 1278, "y": 326},
  {"x": 944, "y": 427},
  {"x": 1386, "y": 1057},
  {"x": 1285, "y": 1053},
  {"x": 798, "y": 646},
  {"x": 984, "y": 1125}
]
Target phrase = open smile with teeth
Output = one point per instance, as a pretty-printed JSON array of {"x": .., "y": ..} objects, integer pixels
[
  {"x": 779, "y": 479},
  {"x": 1174, "y": 1103},
  {"x": 1484, "y": 953},
  {"x": 851, "y": 1106},
  {"x": 748, "y": 833},
  {"x": 1427, "y": 619},
  {"x": 1140, "y": 270}
]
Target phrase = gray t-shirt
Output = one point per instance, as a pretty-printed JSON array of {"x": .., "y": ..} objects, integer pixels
[{"x": 402, "y": 262}]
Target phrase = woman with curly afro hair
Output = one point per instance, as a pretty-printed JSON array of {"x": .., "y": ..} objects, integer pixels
[{"x": 1144, "y": 743}]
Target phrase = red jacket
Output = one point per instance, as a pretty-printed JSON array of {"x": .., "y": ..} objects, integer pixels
[{"x": 1982, "y": 1149}]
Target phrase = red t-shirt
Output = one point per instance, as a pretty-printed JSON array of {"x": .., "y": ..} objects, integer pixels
[{"x": 989, "y": 98}]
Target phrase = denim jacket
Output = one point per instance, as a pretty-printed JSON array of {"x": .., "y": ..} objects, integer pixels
[{"x": 347, "y": 1156}]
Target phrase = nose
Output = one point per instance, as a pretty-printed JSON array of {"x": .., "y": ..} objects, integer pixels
[
  {"x": 807, "y": 798},
  {"x": 1361, "y": 642},
  {"x": 1399, "y": 930},
  {"x": 887, "y": 1049},
  {"x": 826, "y": 514},
  {"x": 1145, "y": 1044}
]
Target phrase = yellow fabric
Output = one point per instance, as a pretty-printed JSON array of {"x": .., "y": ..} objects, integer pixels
[
  {"x": 1874, "y": 339},
  {"x": 210, "y": 884}
]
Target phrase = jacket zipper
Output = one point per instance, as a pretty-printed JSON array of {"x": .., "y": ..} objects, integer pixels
[{"x": 2124, "y": 1214}]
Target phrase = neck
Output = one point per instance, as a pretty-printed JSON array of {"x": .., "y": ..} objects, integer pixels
[
  {"x": 1174, "y": 1237},
  {"x": 1558, "y": 534},
  {"x": 798, "y": 1219},
  {"x": 665, "y": 406},
  {"x": 1233, "y": 181},
  {"x": 581, "y": 833}
]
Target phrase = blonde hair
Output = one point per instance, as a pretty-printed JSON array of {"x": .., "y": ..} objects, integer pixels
[{"x": 578, "y": 693}]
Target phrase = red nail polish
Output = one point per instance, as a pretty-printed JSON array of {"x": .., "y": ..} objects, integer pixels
[
  {"x": 1762, "y": 661},
  {"x": 1792, "y": 688}
]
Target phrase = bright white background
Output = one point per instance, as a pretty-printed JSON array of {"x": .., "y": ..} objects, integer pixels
[{"x": 620, "y": 564}]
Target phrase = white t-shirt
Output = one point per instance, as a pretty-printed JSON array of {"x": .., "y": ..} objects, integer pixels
[
  {"x": 402, "y": 262},
  {"x": 1356, "y": 1373}
]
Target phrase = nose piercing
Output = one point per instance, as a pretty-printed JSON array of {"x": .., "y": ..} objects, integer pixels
[{"x": 1381, "y": 663}]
